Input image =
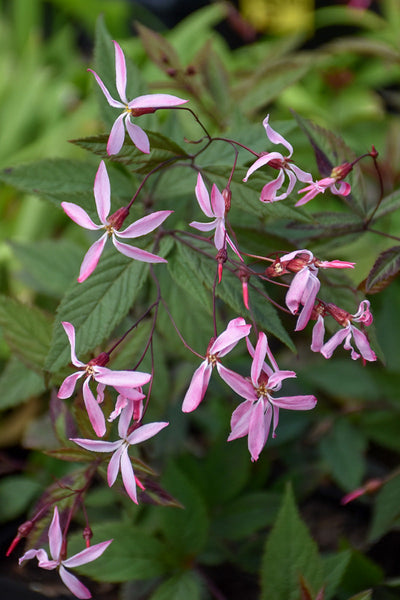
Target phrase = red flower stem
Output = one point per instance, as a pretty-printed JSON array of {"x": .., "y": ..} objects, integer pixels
[
  {"x": 157, "y": 168},
  {"x": 178, "y": 332},
  {"x": 146, "y": 312},
  {"x": 374, "y": 155}
]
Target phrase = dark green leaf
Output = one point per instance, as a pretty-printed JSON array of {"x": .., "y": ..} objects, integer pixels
[
  {"x": 182, "y": 586},
  {"x": 335, "y": 566},
  {"x": 20, "y": 382},
  {"x": 17, "y": 492},
  {"x": 386, "y": 509},
  {"x": 385, "y": 269}
]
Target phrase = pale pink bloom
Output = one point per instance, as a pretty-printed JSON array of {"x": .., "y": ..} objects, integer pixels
[
  {"x": 319, "y": 187},
  {"x": 139, "y": 106},
  {"x": 96, "y": 370},
  {"x": 253, "y": 417},
  {"x": 224, "y": 343},
  {"x": 120, "y": 460},
  {"x": 282, "y": 163},
  {"x": 363, "y": 315},
  {"x": 318, "y": 334},
  {"x": 59, "y": 562},
  {"x": 111, "y": 225},
  {"x": 334, "y": 264},
  {"x": 128, "y": 396},
  {"x": 215, "y": 210},
  {"x": 303, "y": 288}
]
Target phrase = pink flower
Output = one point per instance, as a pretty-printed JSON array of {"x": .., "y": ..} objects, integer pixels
[
  {"x": 95, "y": 369},
  {"x": 280, "y": 162},
  {"x": 128, "y": 396},
  {"x": 224, "y": 343},
  {"x": 216, "y": 210},
  {"x": 120, "y": 460},
  {"x": 304, "y": 286},
  {"x": 58, "y": 561},
  {"x": 111, "y": 225},
  {"x": 253, "y": 417},
  {"x": 363, "y": 315},
  {"x": 319, "y": 187},
  {"x": 139, "y": 106}
]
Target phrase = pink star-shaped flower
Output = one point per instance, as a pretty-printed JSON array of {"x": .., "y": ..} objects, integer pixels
[
  {"x": 61, "y": 563},
  {"x": 96, "y": 370},
  {"x": 139, "y": 106},
  {"x": 253, "y": 416},
  {"x": 320, "y": 186},
  {"x": 224, "y": 343},
  {"x": 120, "y": 460},
  {"x": 285, "y": 167},
  {"x": 111, "y": 225}
]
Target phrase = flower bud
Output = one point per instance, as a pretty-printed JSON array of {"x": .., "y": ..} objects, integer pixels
[
  {"x": 100, "y": 361},
  {"x": 227, "y": 196},
  {"x": 87, "y": 535},
  {"x": 137, "y": 112},
  {"x": 339, "y": 314},
  {"x": 116, "y": 220},
  {"x": 340, "y": 172}
]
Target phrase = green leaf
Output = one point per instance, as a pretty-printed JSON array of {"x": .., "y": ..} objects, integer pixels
[
  {"x": 49, "y": 266},
  {"x": 385, "y": 269},
  {"x": 17, "y": 492},
  {"x": 132, "y": 555},
  {"x": 159, "y": 50},
  {"x": 361, "y": 573},
  {"x": 182, "y": 586},
  {"x": 289, "y": 553},
  {"x": 386, "y": 509},
  {"x": 27, "y": 330},
  {"x": 186, "y": 529},
  {"x": 343, "y": 450},
  {"x": 365, "y": 595},
  {"x": 20, "y": 382},
  {"x": 335, "y": 566},
  {"x": 383, "y": 428},
  {"x": 96, "y": 306},
  {"x": 388, "y": 205}
]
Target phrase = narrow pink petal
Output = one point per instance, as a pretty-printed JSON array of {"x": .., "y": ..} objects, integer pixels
[
  {"x": 145, "y": 224},
  {"x": 120, "y": 72},
  {"x": 220, "y": 234},
  {"x": 232, "y": 245},
  {"x": 121, "y": 378},
  {"x": 275, "y": 411},
  {"x": 97, "y": 445},
  {"x": 268, "y": 193},
  {"x": 87, "y": 555},
  {"x": 295, "y": 402},
  {"x": 70, "y": 331},
  {"x": 294, "y": 253},
  {"x": 138, "y": 136},
  {"x": 301, "y": 175},
  {"x": 239, "y": 384},
  {"x": 197, "y": 387},
  {"x": 318, "y": 334},
  {"x": 308, "y": 301},
  {"x": 94, "y": 411},
  {"x": 296, "y": 289},
  {"x": 362, "y": 343},
  {"x": 68, "y": 385},
  {"x": 128, "y": 476},
  {"x": 79, "y": 216},
  {"x": 204, "y": 226},
  {"x": 145, "y": 432},
  {"x": 55, "y": 536},
  {"x": 102, "y": 192},
  {"x": 203, "y": 197},
  {"x": 275, "y": 137},
  {"x": 259, "y": 357},
  {"x": 125, "y": 419},
  {"x": 217, "y": 202},
  {"x": 113, "y": 465},
  {"x": 91, "y": 258},
  {"x": 137, "y": 253},
  {"x": 240, "y": 420},
  {"x": 275, "y": 381},
  {"x": 117, "y": 136},
  {"x": 329, "y": 347},
  {"x": 258, "y": 429},
  {"x": 156, "y": 101},
  {"x": 263, "y": 160},
  {"x": 74, "y": 585},
  {"x": 110, "y": 99},
  {"x": 229, "y": 338},
  {"x": 41, "y": 556}
]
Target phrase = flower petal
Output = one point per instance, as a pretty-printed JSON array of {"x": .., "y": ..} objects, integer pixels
[
  {"x": 138, "y": 136},
  {"x": 217, "y": 202},
  {"x": 110, "y": 99},
  {"x": 145, "y": 432},
  {"x": 128, "y": 476},
  {"x": 137, "y": 253},
  {"x": 114, "y": 464},
  {"x": 239, "y": 384},
  {"x": 275, "y": 137},
  {"x": 120, "y": 72},
  {"x": 197, "y": 387},
  {"x": 259, "y": 425},
  {"x": 329, "y": 346},
  {"x": 55, "y": 536},
  {"x": 145, "y": 224},
  {"x": 74, "y": 585},
  {"x": 68, "y": 385},
  {"x": 125, "y": 419},
  {"x": 97, "y": 445},
  {"x": 263, "y": 160},
  {"x": 156, "y": 101},
  {"x": 121, "y": 378},
  {"x": 87, "y": 555},
  {"x": 91, "y": 258},
  {"x": 94, "y": 411},
  {"x": 70, "y": 331},
  {"x": 102, "y": 192},
  {"x": 240, "y": 420},
  {"x": 117, "y": 136},
  {"x": 259, "y": 357},
  {"x": 203, "y": 197},
  {"x": 79, "y": 216},
  {"x": 295, "y": 402}
]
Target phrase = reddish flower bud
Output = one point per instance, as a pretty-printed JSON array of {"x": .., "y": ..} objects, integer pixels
[
  {"x": 137, "y": 112},
  {"x": 171, "y": 72},
  {"x": 373, "y": 485},
  {"x": 116, "y": 220},
  {"x": 339, "y": 314},
  {"x": 101, "y": 360},
  {"x": 221, "y": 258},
  {"x": 227, "y": 196},
  {"x": 297, "y": 264},
  {"x": 23, "y": 531},
  {"x": 340, "y": 172},
  {"x": 191, "y": 70},
  {"x": 87, "y": 536}
]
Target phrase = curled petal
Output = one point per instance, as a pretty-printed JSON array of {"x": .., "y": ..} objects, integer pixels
[
  {"x": 329, "y": 347},
  {"x": 137, "y": 253},
  {"x": 138, "y": 136},
  {"x": 74, "y": 585},
  {"x": 268, "y": 193},
  {"x": 43, "y": 559},
  {"x": 262, "y": 161},
  {"x": 109, "y": 98},
  {"x": 102, "y": 192},
  {"x": 79, "y": 216},
  {"x": 363, "y": 345},
  {"x": 68, "y": 385},
  {"x": 301, "y": 175},
  {"x": 145, "y": 224},
  {"x": 70, "y": 331},
  {"x": 117, "y": 136},
  {"x": 91, "y": 258},
  {"x": 275, "y": 137}
]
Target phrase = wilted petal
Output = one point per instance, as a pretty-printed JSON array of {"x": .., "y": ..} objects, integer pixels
[
  {"x": 308, "y": 301},
  {"x": 91, "y": 258},
  {"x": 117, "y": 136},
  {"x": 120, "y": 72},
  {"x": 73, "y": 584},
  {"x": 145, "y": 432},
  {"x": 87, "y": 555},
  {"x": 102, "y": 192},
  {"x": 268, "y": 193},
  {"x": 137, "y": 253},
  {"x": 275, "y": 381},
  {"x": 68, "y": 385},
  {"x": 145, "y": 224},
  {"x": 79, "y": 216},
  {"x": 94, "y": 411},
  {"x": 138, "y": 136},
  {"x": 197, "y": 387},
  {"x": 156, "y": 101}
]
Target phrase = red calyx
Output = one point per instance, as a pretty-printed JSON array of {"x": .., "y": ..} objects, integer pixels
[
  {"x": 100, "y": 361},
  {"x": 116, "y": 220}
]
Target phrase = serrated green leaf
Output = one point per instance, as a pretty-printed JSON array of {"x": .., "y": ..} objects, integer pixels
[
  {"x": 27, "y": 330},
  {"x": 389, "y": 204},
  {"x": 342, "y": 442},
  {"x": 132, "y": 555},
  {"x": 184, "y": 268},
  {"x": 96, "y": 306},
  {"x": 386, "y": 509},
  {"x": 181, "y": 586},
  {"x": 385, "y": 269},
  {"x": 289, "y": 553},
  {"x": 20, "y": 384}
]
